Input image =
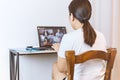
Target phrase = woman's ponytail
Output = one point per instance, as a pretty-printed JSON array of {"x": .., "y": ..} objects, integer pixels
[{"x": 89, "y": 33}]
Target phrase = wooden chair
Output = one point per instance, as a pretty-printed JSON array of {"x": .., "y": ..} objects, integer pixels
[{"x": 108, "y": 56}]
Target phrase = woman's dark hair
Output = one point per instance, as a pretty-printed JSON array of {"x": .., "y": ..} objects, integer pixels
[{"x": 81, "y": 10}]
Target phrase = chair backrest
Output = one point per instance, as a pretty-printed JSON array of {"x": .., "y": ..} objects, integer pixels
[{"x": 108, "y": 56}]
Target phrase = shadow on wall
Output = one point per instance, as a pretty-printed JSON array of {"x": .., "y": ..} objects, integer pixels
[{"x": 116, "y": 68}]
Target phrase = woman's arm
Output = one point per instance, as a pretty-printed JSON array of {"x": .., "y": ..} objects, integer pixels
[
  {"x": 62, "y": 65},
  {"x": 61, "y": 62}
]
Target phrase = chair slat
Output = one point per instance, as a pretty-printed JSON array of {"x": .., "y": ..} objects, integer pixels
[{"x": 108, "y": 56}]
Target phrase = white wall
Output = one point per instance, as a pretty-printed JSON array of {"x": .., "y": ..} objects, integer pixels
[
  {"x": 104, "y": 18},
  {"x": 18, "y": 22},
  {"x": 116, "y": 38}
]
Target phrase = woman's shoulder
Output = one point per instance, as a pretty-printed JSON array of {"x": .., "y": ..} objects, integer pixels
[
  {"x": 75, "y": 33},
  {"x": 99, "y": 34},
  {"x": 100, "y": 42}
]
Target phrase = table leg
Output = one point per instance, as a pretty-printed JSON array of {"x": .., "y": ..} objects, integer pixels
[
  {"x": 12, "y": 65},
  {"x": 17, "y": 66}
]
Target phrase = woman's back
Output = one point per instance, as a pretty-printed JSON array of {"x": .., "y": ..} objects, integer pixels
[{"x": 92, "y": 70}]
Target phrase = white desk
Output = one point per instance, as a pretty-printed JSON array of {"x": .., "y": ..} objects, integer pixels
[{"x": 14, "y": 59}]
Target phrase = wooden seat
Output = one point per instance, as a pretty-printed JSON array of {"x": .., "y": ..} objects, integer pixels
[{"x": 108, "y": 56}]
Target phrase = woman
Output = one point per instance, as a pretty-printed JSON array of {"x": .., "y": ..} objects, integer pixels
[{"x": 84, "y": 38}]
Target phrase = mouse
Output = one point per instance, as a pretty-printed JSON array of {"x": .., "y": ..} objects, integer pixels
[{"x": 29, "y": 47}]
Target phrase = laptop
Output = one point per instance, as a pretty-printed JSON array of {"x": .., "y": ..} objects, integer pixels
[{"x": 48, "y": 35}]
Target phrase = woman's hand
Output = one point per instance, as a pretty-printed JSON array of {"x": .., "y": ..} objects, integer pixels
[{"x": 56, "y": 46}]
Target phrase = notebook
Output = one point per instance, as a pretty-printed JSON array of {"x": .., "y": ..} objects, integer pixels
[{"x": 48, "y": 35}]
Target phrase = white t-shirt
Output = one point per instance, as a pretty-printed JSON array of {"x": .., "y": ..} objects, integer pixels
[{"x": 91, "y": 70}]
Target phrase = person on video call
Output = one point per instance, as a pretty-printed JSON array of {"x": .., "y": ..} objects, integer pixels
[
  {"x": 82, "y": 39},
  {"x": 58, "y": 36}
]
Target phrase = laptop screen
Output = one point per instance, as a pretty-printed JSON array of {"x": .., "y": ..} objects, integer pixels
[{"x": 49, "y": 35}]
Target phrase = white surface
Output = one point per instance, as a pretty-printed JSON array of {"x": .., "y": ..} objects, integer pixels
[{"x": 24, "y": 51}]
